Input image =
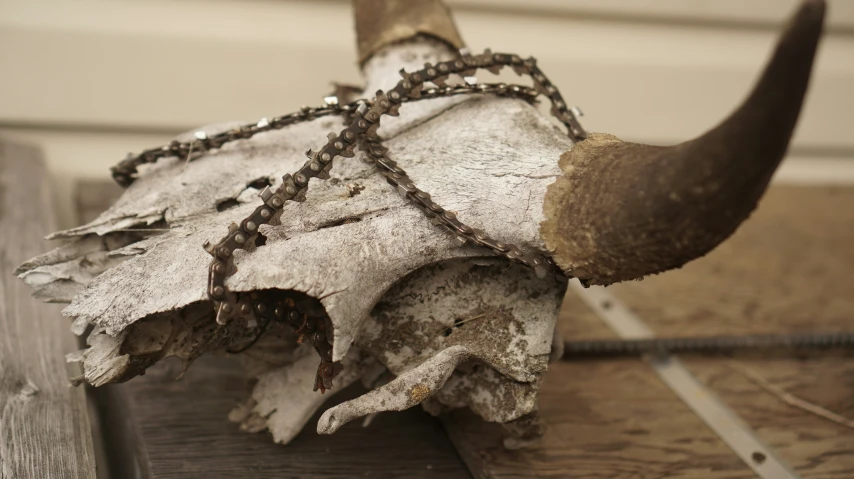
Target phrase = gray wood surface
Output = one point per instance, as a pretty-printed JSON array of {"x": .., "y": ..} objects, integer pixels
[{"x": 44, "y": 424}]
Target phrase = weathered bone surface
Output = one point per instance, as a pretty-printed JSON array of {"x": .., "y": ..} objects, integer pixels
[
  {"x": 60, "y": 274},
  {"x": 347, "y": 245},
  {"x": 415, "y": 316},
  {"x": 344, "y": 250}
]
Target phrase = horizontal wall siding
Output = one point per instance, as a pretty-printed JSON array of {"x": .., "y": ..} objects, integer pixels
[{"x": 94, "y": 79}]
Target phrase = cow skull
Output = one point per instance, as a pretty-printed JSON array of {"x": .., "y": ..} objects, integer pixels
[{"x": 414, "y": 315}]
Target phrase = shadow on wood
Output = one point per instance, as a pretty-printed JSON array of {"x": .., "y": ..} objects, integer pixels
[{"x": 163, "y": 428}]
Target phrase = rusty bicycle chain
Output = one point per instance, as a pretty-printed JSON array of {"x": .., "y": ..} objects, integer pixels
[
  {"x": 463, "y": 233},
  {"x": 362, "y": 129},
  {"x": 124, "y": 173},
  {"x": 365, "y": 123}
]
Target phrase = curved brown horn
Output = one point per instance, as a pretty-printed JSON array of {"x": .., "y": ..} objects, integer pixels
[
  {"x": 383, "y": 22},
  {"x": 624, "y": 210}
]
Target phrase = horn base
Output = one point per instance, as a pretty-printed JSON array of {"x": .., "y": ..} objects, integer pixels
[
  {"x": 382, "y": 22},
  {"x": 622, "y": 211}
]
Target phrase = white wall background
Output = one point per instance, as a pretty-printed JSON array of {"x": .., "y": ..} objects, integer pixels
[{"x": 91, "y": 80}]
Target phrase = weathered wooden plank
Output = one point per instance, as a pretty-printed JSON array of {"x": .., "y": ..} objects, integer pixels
[
  {"x": 44, "y": 424},
  {"x": 604, "y": 420},
  {"x": 170, "y": 429},
  {"x": 787, "y": 269}
]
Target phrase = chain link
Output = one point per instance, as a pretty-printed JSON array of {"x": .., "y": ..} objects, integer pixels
[
  {"x": 579, "y": 349},
  {"x": 463, "y": 234}
]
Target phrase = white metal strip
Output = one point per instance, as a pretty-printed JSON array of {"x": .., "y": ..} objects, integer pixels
[{"x": 708, "y": 407}]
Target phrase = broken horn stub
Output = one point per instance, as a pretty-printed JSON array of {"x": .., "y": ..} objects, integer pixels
[
  {"x": 382, "y": 22},
  {"x": 622, "y": 211}
]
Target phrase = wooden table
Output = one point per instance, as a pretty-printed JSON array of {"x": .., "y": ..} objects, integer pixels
[
  {"x": 44, "y": 424},
  {"x": 789, "y": 268}
]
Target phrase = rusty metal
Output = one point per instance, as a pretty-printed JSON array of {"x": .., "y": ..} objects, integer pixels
[{"x": 609, "y": 348}]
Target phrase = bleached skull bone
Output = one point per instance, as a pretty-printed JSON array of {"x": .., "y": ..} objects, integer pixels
[
  {"x": 414, "y": 314},
  {"x": 351, "y": 251}
]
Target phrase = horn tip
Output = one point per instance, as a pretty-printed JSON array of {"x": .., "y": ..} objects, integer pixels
[{"x": 814, "y": 7}]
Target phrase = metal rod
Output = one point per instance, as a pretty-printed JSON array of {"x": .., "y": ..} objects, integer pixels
[
  {"x": 577, "y": 349},
  {"x": 732, "y": 430}
]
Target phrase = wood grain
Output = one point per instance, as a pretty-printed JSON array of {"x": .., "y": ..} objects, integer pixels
[
  {"x": 787, "y": 269},
  {"x": 44, "y": 424},
  {"x": 163, "y": 428}
]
